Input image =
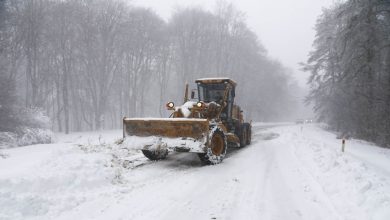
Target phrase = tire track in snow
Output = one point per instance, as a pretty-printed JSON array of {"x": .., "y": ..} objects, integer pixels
[{"x": 251, "y": 183}]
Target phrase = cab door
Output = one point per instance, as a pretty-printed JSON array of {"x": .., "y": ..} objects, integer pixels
[{"x": 230, "y": 102}]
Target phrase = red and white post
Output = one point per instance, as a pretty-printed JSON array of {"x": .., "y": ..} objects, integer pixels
[{"x": 343, "y": 145}]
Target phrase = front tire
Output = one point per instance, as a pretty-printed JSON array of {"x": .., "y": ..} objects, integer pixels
[
  {"x": 155, "y": 154},
  {"x": 216, "y": 151}
]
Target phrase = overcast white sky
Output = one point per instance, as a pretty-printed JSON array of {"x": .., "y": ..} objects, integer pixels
[{"x": 284, "y": 27}]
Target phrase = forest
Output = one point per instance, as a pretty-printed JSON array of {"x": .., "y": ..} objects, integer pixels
[
  {"x": 350, "y": 69},
  {"x": 84, "y": 64}
]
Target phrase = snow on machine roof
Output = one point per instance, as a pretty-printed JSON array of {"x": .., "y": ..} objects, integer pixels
[{"x": 216, "y": 80}]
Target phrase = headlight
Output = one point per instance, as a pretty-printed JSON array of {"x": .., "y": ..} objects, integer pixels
[
  {"x": 199, "y": 104},
  {"x": 170, "y": 104}
]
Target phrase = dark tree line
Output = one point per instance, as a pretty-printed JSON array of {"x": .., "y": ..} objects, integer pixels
[
  {"x": 88, "y": 63},
  {"x": 350, "y": 69}
]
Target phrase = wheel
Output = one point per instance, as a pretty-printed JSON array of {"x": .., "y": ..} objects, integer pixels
[
  {"x": 243, "y": 136},
  {"x": 249, "y": 133},
  {"x": 217, "y": 149},
  {"x": 155, "y": 155}
]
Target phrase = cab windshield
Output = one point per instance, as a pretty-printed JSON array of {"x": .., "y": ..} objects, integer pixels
[{"x": 211, "y": 92}]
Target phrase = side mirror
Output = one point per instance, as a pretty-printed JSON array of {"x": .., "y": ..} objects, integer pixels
[{"x": 192, "y": 94}]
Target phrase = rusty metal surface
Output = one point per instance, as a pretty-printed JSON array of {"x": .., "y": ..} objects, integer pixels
[{"x": 172, "y": 128}]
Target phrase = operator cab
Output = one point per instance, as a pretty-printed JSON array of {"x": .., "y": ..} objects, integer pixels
[{"x": 214, "y": 90}]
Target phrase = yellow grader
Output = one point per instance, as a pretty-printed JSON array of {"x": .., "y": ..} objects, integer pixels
[{"x": 206, "y": 126}]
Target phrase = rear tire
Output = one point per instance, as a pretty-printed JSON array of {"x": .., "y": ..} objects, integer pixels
[
  {"x": 216, "y": 152},
  {"x": 243, "y": 136},
  {"x": 155, "y": 154},
  {"x": 249, "y": 133}
]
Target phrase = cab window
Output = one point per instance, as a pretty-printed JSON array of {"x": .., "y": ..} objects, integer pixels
[{"x": 211, "y": 92}]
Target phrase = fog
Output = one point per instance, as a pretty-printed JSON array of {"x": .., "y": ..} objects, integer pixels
[
  {"x": 86, "y": 64},
  {"x": 285, "y": 28}
]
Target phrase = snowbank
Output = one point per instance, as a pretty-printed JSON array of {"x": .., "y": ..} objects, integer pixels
[{"x": 357, "y": 181}]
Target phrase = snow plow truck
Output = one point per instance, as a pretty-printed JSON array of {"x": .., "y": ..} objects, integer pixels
[{"x": 207, "y": 124}]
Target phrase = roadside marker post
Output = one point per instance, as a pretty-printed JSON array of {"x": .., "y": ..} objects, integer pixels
[{"x": 343, "y": 145}]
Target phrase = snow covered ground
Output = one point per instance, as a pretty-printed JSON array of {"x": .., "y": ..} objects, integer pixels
[{"x": 288, "y": 172}]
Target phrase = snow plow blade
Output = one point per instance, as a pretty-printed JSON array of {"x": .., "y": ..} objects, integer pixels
[{"x": 166, "y": 127}]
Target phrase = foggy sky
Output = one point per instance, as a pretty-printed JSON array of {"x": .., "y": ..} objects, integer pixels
[{"x": 285, "y": 28}]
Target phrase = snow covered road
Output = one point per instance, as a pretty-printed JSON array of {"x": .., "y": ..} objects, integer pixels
[{"x": 288, "y": 172}]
